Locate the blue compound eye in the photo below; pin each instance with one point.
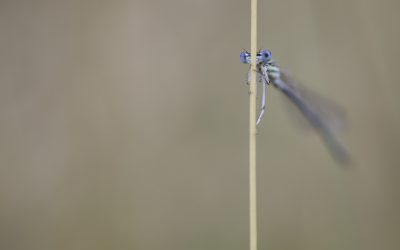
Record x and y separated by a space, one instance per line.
244 57
266 54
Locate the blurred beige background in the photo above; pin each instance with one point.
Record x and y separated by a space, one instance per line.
124 125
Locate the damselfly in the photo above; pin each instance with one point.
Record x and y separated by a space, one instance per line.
269 73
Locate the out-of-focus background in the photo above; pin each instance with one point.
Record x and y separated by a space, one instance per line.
124 125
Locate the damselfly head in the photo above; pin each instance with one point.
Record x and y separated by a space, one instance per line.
262 57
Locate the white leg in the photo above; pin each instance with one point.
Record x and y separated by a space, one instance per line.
263 99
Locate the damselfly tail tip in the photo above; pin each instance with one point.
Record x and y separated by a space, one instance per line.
339 152
344 159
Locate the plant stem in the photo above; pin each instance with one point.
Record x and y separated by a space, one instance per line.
253 129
